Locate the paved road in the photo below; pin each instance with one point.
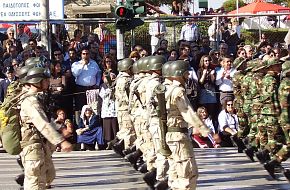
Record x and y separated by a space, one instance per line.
102 170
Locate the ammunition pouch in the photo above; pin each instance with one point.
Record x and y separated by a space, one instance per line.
177 129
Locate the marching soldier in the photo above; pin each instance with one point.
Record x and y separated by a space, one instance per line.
284 96
37 133
182 172
239 64
255 117
126 133
155 67
270 112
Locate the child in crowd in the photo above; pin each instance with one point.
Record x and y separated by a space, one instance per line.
213 138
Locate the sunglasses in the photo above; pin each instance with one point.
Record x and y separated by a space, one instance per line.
56 54
85 53
229 104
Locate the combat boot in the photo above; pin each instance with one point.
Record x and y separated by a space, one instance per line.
250 153
111 143
133 157
287 174
20 179
150 178
19 161
161 185
238 142
143 168
270 167
263 156
139 163
119 147
129 150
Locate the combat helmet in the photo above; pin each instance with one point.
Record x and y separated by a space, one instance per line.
32 61
135 67
251 64
260 65
144 64
272 61
22 72
125 64
238 62
156 62
285 68
36 74
179 68
166 69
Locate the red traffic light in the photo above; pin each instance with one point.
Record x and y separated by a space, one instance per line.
121 11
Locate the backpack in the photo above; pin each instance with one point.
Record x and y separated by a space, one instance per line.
10 129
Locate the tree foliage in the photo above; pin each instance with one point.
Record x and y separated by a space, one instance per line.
230 5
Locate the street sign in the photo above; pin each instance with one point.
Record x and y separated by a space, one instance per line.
29 10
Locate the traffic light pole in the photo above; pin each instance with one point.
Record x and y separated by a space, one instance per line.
120 44
120 39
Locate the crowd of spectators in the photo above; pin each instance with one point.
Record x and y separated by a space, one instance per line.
78 68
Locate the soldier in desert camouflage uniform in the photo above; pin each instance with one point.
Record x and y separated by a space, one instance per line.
183 170
284 96
37 133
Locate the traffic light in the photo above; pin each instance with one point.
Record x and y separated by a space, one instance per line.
128 24
137 6
121 11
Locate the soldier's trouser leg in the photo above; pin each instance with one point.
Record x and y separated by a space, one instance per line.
253 134
50 172
34 167
243 125
126 131
161 161
284 153
262 130
148 143
183 162
272 131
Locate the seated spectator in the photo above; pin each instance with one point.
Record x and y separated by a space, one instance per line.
67 128
213 138
89 131
108 112
228 123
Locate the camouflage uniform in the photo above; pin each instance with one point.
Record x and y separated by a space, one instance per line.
247 103
239 100
270 111
36 154
284 96
134 107
126 130
145 133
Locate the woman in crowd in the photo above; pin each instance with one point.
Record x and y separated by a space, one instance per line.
134 55
108 112
206 79
109 64
173 55
89 131
241 53
214 55
213 138
57 84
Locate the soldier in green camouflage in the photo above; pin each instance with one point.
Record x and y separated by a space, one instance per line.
255 117
284 94
247 103
270 111
240 65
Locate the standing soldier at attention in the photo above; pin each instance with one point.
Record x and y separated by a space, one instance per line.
270 112
239 64
183 170
284 98
126 133
255 117
37 133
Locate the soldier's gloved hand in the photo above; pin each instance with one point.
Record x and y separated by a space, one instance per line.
66 146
